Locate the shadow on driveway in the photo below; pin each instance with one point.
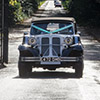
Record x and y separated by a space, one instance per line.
48 75
2 66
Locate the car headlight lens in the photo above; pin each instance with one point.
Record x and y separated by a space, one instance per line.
68 40
31 41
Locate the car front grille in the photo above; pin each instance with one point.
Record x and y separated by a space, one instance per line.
56 46
45 46
50 46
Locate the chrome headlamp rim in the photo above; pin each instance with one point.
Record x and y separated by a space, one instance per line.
31 41
68 40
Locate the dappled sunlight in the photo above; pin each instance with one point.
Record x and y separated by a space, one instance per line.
91 46
91 50
51 83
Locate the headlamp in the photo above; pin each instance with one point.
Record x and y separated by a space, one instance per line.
68 40
31 41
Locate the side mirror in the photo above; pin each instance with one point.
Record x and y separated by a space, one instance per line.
25 33
79 33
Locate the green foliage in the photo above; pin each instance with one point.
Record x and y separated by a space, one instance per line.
66 4
84 10
18 14
21 9
41 2
15 12
29 6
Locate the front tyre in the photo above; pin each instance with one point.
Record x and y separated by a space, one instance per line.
79 69
24 69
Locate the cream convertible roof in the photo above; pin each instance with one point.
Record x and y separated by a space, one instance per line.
54 19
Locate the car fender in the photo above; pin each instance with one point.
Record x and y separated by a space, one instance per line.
74 50
24 49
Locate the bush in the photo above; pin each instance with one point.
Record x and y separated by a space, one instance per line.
15 12
18 14
29 6
21 9
84 10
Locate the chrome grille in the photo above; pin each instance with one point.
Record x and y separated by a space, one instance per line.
50 46
45 46
56 46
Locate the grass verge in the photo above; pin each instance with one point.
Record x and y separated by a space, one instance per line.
41 2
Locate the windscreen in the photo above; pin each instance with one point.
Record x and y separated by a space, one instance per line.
54 28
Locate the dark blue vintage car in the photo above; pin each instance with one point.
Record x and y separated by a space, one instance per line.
52 43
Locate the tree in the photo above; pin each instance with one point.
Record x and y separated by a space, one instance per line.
86 10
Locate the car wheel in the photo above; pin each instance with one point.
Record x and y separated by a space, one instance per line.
79 69
24 69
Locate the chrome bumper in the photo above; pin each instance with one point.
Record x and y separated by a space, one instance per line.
48 59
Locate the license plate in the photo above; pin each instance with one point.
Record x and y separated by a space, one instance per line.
50 59
50 63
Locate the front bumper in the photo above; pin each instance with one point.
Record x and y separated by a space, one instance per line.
57 5
50 59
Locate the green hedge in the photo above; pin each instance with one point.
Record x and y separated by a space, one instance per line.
85 11
22 9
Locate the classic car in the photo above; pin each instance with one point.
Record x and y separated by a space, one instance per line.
57 4
52 43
